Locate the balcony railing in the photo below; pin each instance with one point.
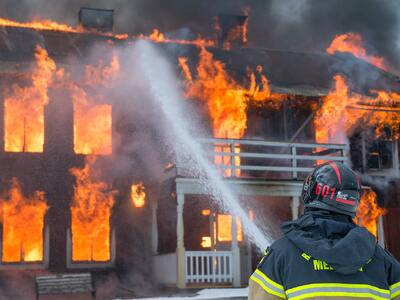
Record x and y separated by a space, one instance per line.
264 159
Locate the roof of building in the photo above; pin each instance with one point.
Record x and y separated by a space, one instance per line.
308 74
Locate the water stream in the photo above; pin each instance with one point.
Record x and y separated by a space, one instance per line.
160 77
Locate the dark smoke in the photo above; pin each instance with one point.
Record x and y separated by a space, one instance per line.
301 25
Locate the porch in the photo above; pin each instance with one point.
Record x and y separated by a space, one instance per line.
250 168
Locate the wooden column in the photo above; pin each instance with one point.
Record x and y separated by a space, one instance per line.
295 204
154 226
381 234
180 247
395 153
235 255
363 152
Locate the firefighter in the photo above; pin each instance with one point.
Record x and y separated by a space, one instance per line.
324 254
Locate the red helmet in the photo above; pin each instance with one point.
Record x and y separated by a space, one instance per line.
332 186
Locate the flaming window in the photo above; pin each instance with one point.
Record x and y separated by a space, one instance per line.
138 195
92 121
224 228
24 108
92 129
91 211
23 226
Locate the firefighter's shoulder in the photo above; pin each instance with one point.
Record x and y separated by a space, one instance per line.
388 259
277 251
270 272
282 248
392 270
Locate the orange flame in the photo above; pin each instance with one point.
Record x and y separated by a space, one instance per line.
331 121
206 242
138 195
90 215
337 118
40 25
93 122
368 212
226 99
353 43
121 36
24 108
92 127
23 223
54 26
225 228
159 37
185 68
238 33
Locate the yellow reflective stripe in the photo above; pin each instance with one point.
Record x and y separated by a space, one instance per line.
270 281
337 294
395 285
265 288
395 290
336 285
395 294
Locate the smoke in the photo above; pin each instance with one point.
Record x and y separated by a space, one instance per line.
284 10
386 188
302 25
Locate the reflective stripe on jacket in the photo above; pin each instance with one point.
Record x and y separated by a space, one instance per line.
285 272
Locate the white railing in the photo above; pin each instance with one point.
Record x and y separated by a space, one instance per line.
263 159
209 267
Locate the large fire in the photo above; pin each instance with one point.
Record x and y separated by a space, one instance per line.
226 100
90 215
24 108
93 122
92 127
23 225
338 116
368 212
353 43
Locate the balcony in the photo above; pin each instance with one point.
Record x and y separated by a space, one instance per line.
257 167
249 168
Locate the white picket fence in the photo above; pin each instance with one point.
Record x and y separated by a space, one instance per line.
209 267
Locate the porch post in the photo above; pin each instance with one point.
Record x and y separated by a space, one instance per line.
381 233
295 204
235 255
395 153
180 247
154 227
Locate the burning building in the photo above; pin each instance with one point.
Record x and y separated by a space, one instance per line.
79 190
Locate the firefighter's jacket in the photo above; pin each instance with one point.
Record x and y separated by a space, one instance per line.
323 256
